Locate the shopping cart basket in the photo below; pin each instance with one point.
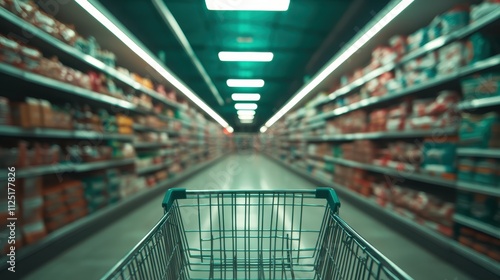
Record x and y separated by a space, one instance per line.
254 234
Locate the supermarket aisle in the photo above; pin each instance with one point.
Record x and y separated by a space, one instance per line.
93 257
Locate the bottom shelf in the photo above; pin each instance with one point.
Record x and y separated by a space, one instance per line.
32 256
488 267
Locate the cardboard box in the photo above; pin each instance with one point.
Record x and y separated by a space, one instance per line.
46 114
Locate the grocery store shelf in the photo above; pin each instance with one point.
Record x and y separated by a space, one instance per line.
15 131
60 168
307 127
144 128
464 71
415 176
429 47
477 188
149 145
153 168
477 152
477 225
479 103
76 54
67 88
34 255
386 135
484 267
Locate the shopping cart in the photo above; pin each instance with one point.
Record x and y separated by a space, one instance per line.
254 234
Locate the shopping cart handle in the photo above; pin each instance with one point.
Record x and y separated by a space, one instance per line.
171 195
331 196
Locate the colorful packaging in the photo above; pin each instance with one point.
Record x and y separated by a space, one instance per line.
485 172
482 207
466 167
455 19
481 85
480 131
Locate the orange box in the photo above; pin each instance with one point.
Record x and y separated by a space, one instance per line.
20 114
47 115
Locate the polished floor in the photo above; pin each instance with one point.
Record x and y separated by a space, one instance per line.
93 257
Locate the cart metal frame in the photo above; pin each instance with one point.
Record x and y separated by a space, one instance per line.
253 234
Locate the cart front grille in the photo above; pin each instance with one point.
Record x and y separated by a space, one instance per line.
253 235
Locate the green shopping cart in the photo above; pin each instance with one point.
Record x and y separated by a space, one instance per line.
253 234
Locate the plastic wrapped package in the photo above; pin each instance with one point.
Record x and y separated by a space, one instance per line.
9 51
398 44
417 39
480 131
455 19
452 57
23 9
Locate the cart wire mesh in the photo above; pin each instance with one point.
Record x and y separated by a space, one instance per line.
257 234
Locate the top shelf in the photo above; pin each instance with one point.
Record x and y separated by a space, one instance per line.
49 40
435 44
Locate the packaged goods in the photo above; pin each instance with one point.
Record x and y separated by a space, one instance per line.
417 39
463 203
466 168
439 157
481 85
482 207
485 172
479 47
452 57
4 111
9 51
480 131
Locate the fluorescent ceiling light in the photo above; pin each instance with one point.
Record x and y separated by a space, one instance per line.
248 5
149 59
245 106
245 83
333 65
243 117
246 113
246 121
246 56
245 96
229 129
263 129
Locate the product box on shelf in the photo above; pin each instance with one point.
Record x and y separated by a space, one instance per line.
439 157
481 85
480 242
480 131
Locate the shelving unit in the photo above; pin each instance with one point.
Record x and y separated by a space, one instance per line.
439 81
317 130
435 44
433 238
133 102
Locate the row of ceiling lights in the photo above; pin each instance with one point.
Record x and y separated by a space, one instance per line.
246 106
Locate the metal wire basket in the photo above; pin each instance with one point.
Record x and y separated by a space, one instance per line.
254 234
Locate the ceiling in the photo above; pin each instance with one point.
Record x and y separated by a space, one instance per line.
302 40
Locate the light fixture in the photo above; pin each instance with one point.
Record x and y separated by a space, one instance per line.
247 5
246 113
246 56
248 117
245 106
142 52
229 129
245 96
263 129
246 121
391 13
245 83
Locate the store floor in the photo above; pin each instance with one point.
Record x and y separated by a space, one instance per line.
94 256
